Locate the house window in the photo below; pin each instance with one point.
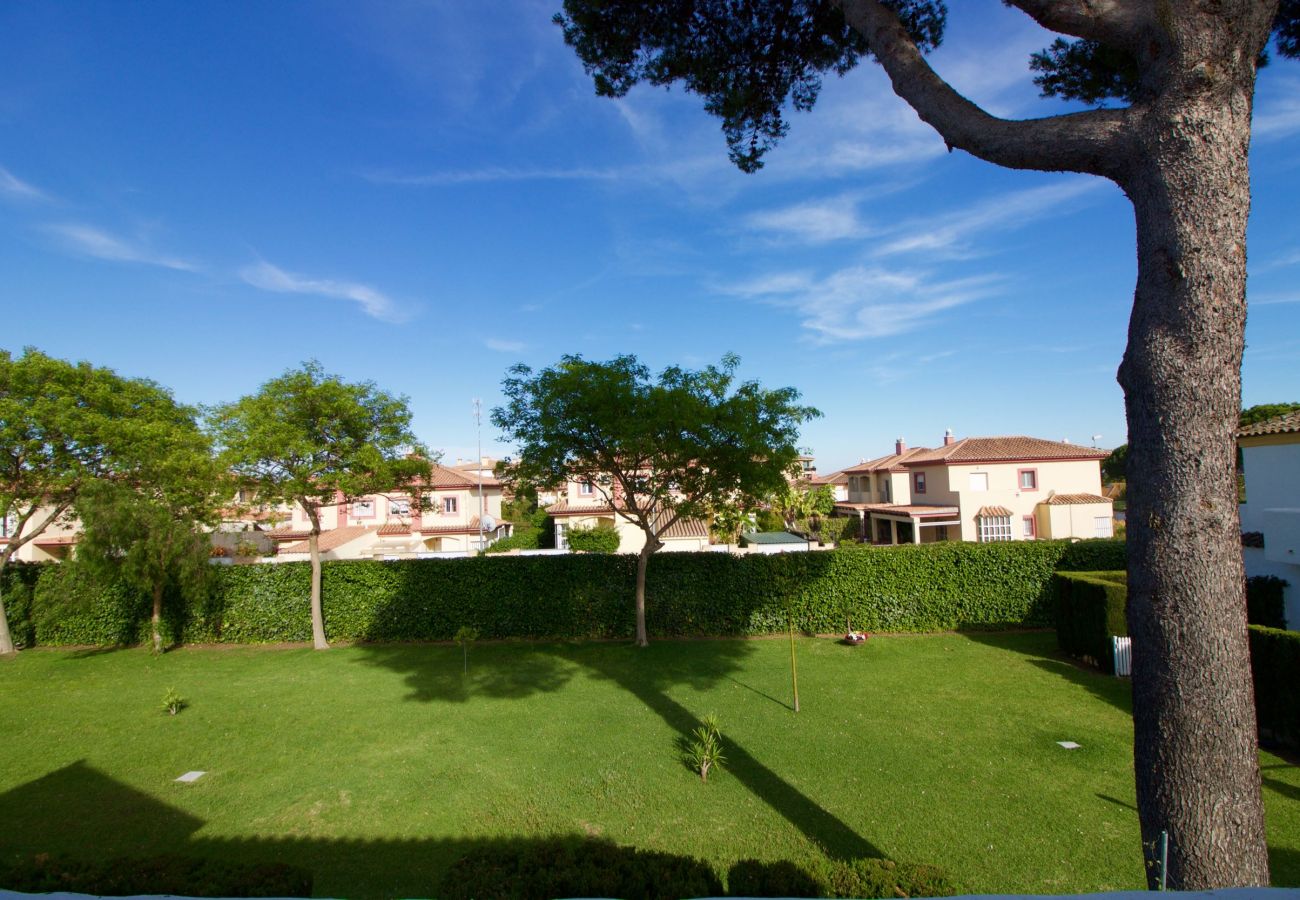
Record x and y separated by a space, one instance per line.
941 532
586 489
918 482
363 509
884 488
1103 526
979 481
993 528
853 484
1030 528
400 507
450 505
1028 479
561 537
8 525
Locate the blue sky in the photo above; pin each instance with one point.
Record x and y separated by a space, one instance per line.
422 194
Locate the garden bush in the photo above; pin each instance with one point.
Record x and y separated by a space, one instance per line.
1265 601
574 867
838 878
176 875
597 539
1089 610
914 589
1275 667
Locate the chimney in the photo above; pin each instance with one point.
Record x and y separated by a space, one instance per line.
948 438
899 446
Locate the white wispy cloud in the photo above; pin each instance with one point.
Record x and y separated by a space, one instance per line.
1278 115
951 233
504 346
815 222
863 302
87 240
373 303
14 187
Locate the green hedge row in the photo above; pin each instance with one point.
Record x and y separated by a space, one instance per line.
1275 666
159 875
1089 610
1266 601
915 588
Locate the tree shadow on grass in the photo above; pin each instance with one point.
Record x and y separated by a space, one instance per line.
648 674
83 815
1115 691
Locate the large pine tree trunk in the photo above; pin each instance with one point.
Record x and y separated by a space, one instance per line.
1195 741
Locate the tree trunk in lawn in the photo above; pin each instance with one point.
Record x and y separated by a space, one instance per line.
652 544
317 614
1195 741
156 618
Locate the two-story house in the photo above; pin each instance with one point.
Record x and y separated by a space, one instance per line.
449 512
585 504
1270 517
980 489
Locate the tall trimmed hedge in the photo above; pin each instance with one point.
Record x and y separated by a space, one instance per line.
1089 610
1275 666
916 588
1266 601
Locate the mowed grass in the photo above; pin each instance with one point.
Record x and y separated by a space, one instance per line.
377 766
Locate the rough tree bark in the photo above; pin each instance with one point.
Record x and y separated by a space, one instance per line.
1181 156
1195 739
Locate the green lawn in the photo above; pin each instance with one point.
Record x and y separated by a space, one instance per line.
376 766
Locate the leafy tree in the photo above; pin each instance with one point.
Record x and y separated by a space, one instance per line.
152 533
64 427
596 539
658 450
1262 412
1115 466
1182 73
313 439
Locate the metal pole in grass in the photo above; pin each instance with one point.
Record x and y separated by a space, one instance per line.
794 669
1164 857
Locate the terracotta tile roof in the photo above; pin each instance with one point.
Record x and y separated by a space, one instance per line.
1003 449
394 526
840 477
470 527
444 478
331 540
1287 423
686 529
1075 499
565 508
287 534
57 541
889 463
987 512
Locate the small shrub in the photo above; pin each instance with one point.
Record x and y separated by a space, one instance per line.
704 748
572 867
597 539
768 520
172 702
466 635
175 875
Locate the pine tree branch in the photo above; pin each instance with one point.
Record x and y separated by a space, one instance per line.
1119 23
1089 142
